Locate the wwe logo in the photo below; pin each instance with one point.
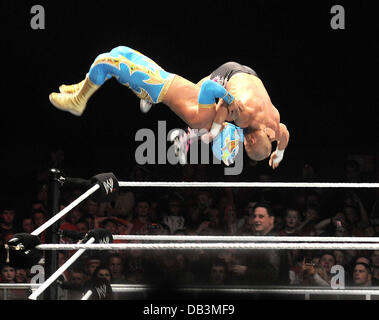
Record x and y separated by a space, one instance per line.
104 240
101 291
108 185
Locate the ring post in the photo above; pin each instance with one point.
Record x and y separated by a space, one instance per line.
51 258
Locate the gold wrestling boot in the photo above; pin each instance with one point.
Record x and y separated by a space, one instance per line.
75 102
71 88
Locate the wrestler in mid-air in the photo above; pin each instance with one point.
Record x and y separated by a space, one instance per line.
249 106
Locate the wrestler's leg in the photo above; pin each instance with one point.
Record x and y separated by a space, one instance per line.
131 68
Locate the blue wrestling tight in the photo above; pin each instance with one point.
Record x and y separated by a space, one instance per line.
210 90
134 70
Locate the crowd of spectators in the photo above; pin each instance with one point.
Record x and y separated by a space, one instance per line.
212 211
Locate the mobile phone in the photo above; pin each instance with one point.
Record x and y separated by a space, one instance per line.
308 260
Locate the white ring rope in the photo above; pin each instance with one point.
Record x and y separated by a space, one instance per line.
65 210
87 295
213 246
249 184
247 238
288 290
19 285
61 269
123 288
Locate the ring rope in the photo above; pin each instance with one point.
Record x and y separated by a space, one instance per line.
288 290
123 288
61 269
87 295
65 210
249 184
213 246
247 238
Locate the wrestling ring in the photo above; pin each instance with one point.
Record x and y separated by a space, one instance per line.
163 242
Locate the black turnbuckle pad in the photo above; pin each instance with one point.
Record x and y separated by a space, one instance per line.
21 251
100 235
109 187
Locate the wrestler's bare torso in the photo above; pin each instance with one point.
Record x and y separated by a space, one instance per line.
258 111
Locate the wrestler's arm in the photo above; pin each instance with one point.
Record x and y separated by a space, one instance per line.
283 139
218 122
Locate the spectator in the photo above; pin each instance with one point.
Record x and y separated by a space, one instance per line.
199 211
124 205
231 222
197 263
38 206
92 262
375 267
42 195
116 266
249 209
174 218
278 223
311 216
7 224
99 283
82 225
38 218
71 219
351 214
238 268
291 228
185 275
363 259
328 226
22 275
78 279
114 224
352 171
369 231
217 273
105 209
91 208
8 273
75 286
90 221
124 226
211 224
247 229
110 225
103 272
28 225
142 217
263 219
134 267
318 275
340 258
269 267
292 220
362 276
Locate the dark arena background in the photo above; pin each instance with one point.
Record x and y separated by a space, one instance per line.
323 82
